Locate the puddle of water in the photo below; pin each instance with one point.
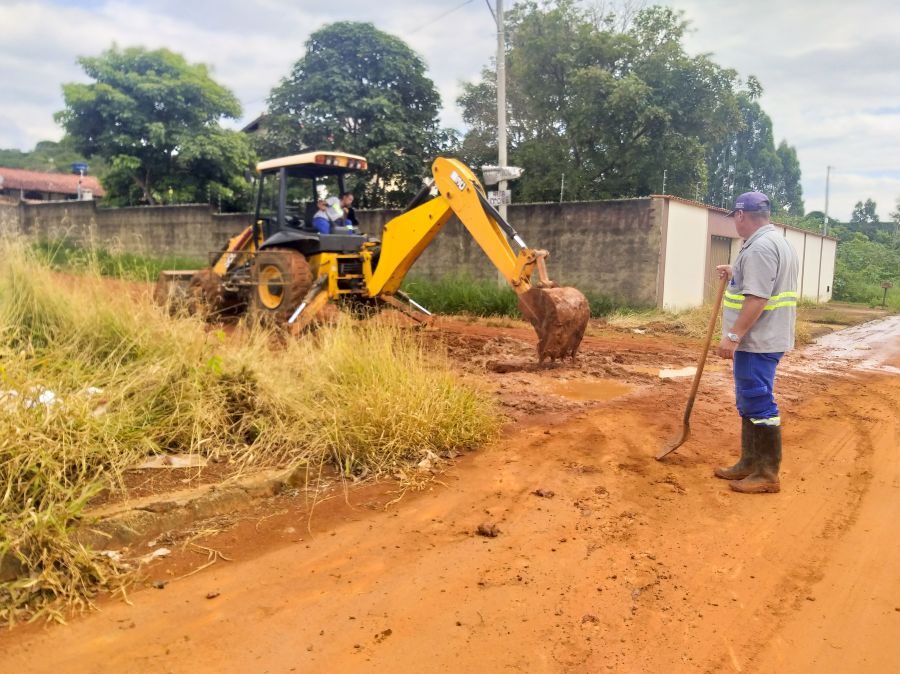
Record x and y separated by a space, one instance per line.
643 369
595 389
672 373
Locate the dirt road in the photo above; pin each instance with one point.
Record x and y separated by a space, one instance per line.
606 560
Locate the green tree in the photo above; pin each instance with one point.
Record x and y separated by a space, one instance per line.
747 159
864 213
895 227
156 119
861 266
360 90
610 104
789 192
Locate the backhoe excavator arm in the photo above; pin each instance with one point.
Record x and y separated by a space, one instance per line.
559 315
407 236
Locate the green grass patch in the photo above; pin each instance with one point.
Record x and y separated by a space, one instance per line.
64 255
462 295
94 379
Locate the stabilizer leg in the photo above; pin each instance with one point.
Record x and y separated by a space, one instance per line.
312 304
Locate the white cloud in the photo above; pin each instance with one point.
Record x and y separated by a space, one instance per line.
824 68
250 45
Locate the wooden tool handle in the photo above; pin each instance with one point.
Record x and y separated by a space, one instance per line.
709 332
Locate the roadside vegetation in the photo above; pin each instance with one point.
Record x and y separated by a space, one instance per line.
96 379
451 295
462 295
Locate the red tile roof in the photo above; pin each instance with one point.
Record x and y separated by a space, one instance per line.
59 183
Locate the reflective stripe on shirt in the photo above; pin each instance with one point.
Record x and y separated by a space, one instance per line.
785 299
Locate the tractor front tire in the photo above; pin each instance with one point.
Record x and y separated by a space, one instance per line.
282 278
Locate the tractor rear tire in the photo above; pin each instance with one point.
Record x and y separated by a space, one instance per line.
282 278
206 296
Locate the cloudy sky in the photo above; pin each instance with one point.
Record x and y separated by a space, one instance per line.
831 70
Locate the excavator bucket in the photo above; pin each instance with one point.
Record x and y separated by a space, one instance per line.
172 289
559 316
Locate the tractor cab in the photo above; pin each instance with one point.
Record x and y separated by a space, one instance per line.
289 189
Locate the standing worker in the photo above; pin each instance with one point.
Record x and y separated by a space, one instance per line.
758 328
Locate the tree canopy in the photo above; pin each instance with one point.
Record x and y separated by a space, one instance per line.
746 159
156 119
614 104
360 90
864 213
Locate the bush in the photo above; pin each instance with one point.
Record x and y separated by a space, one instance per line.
95 378
860 268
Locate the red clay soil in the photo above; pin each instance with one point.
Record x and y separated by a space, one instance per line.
604 560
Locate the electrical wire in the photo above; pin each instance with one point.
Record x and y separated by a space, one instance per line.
438 18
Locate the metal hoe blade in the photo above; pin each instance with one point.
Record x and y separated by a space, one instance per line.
675 443
686 425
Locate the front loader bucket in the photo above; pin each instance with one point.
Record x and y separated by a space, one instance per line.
172 289
559 316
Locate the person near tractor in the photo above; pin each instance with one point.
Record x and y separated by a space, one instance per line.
349 212
336 212
329 215
760 311
322 220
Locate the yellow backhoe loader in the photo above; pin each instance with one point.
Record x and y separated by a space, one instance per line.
283 268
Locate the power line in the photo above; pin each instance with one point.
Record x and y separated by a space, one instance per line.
491 10
441 16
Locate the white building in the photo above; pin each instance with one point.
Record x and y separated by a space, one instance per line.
695 238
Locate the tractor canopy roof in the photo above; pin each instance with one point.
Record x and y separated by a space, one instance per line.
315 163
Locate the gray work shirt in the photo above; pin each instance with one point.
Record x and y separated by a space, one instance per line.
767 266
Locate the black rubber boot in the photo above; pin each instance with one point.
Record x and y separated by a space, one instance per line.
744 467
764 479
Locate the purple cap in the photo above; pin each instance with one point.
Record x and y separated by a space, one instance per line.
751 201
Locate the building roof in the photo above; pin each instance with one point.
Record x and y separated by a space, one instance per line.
724 211
36 181
254 124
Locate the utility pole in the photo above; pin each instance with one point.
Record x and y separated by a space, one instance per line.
501 110
501 99
827 181
664 181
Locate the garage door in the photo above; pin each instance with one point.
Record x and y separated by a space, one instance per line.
719 253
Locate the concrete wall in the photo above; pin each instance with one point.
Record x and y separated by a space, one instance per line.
609 247
687 239
809 272
9 219
817 256
187 231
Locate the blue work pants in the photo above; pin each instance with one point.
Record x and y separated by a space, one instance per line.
754 386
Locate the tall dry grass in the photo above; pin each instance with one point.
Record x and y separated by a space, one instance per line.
94 378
